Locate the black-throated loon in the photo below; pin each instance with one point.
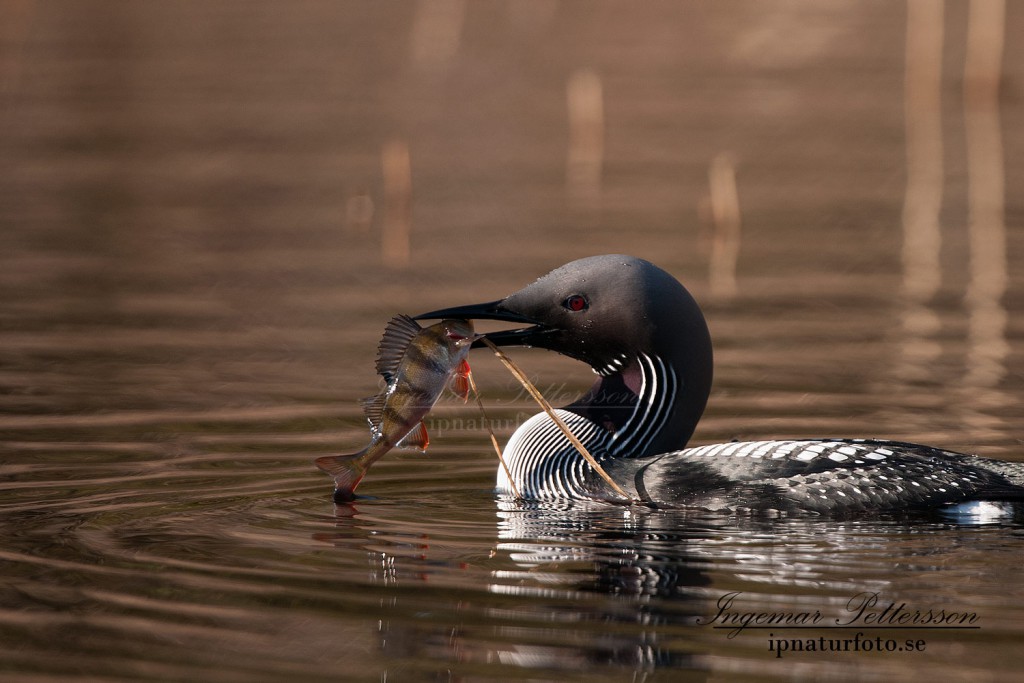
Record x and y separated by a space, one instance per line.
645 336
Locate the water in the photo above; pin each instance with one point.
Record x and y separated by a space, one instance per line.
191 293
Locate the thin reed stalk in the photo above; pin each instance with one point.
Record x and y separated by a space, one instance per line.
542 402
494 440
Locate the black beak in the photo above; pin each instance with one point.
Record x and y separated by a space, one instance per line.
494 310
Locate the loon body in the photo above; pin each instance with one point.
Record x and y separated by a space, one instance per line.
646 338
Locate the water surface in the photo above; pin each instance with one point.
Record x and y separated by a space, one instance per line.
192 290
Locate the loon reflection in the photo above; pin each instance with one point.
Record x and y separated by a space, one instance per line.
561 586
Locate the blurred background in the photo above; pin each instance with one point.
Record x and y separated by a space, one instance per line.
209 211
254 181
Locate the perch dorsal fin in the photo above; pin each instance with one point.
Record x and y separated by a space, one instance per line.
399 332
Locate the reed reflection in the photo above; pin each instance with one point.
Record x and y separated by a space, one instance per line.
436 34
987 347
397 223
922 239
721 212
585 155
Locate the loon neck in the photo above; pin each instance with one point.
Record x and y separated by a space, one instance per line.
650 406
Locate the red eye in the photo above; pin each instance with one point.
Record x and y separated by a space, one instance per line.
455 336
576 302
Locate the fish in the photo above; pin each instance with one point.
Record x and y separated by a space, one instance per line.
417 364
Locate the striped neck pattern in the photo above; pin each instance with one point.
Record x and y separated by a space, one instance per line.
546 466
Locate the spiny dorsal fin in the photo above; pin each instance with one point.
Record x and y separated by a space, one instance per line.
373 408
399 332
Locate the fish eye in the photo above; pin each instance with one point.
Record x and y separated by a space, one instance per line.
576 303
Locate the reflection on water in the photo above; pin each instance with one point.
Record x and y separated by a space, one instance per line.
987 348
723 207
922 237
396 224
986 345
584 164
435 34
635 592
211 209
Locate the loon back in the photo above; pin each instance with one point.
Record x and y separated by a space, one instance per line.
647 340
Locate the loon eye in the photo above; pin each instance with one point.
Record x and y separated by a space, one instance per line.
576 303
455 336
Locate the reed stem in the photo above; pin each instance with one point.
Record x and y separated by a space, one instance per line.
542 402
494 440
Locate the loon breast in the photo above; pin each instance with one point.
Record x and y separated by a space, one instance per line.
545 465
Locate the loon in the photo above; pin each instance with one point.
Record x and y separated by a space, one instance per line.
646 338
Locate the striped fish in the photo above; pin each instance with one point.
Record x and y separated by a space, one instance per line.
417 364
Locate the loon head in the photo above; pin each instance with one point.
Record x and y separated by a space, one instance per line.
634 324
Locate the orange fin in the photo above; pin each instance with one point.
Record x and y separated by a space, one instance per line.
459 383
417 438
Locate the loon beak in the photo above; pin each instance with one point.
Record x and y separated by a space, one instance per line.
495 310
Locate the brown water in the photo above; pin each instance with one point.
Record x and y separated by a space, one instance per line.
192 289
